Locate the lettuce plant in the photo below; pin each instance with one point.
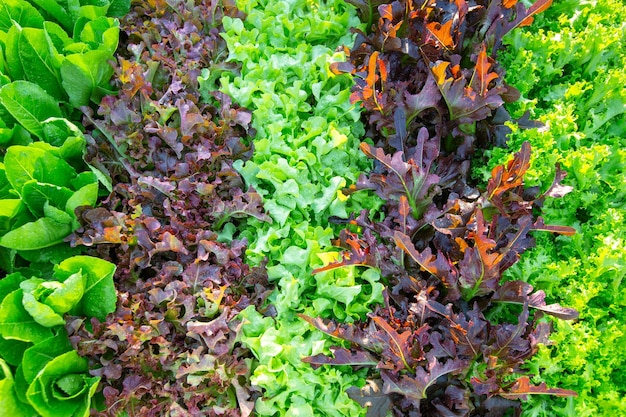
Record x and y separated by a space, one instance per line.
42 373
170 223
567 71
305 159
444 342
63 47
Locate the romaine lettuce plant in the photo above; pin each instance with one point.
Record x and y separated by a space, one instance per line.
63 47
43 375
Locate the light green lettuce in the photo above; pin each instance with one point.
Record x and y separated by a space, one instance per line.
570 70
306 154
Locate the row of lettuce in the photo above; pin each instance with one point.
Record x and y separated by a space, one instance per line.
175 340
53 60
570 71
305 154
431 114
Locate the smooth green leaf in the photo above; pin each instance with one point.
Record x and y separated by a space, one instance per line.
58 215
35 194
86 196
20 12
100 297
29 105
90 12
40 65
12 350
51 254
60 297
10 283
102 34
83 179
68 294
16 323
39 234
119 8
42 313
54 9
85 77
48 391
9 208
10 405
37 356
57 130
58 37
26 163
11 51
72 150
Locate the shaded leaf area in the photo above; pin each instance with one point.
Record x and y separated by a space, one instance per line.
435 342
169 223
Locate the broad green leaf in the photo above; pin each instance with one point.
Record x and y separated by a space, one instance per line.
83 179
100 296
40 65
12 350
72 150
6 134
39 234
102 34
42 313
10 207
57 129
29 105
35 194
10 405
58 215
93 11
10 283
58 38
66 294
85 77
11 51
86 196
119 8
5 186
16 323
37 356
54 9
50 255
63 388
21 12
26 163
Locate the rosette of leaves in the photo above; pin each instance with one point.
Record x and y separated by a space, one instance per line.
433 64
63 387
63 47
41 185
445 341
170 223
43 375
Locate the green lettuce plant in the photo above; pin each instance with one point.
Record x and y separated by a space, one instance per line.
305 158
570 71
41 370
